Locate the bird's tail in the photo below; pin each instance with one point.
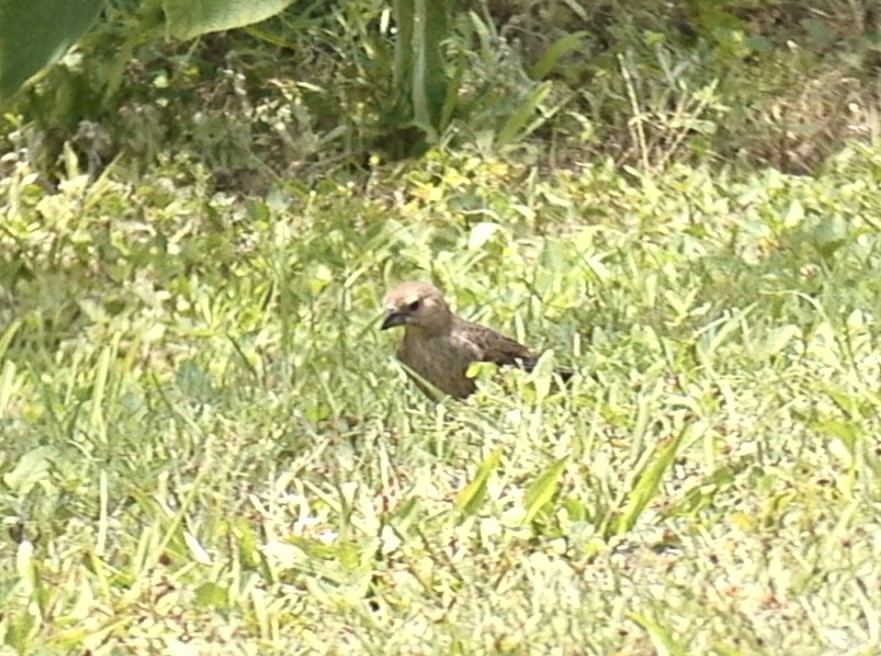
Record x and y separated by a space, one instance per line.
528 364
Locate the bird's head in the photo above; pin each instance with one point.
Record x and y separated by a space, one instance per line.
416 304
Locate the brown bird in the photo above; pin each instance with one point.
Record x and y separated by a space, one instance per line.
439 347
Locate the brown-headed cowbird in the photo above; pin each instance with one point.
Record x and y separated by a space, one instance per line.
439 347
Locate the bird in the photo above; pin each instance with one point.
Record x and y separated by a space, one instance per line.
438 346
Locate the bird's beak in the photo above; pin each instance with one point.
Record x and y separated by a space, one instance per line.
392 319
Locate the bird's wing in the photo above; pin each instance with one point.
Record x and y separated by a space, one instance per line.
495 347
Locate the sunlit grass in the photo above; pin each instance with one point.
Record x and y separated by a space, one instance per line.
207 447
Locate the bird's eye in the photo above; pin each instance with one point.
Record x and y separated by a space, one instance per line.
413 306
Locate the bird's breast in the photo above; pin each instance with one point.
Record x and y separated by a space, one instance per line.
441 360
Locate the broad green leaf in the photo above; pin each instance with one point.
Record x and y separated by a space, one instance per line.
212 595
543 489
485 38
19 627
429 89
451 100
470 499
482 233
7 385
7 336
778 339
830 235
187 19
552 55
34 34
515 126
32 468
543 375
648 481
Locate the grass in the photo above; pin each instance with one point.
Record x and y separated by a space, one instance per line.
207 447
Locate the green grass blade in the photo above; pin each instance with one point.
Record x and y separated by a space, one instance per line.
662 638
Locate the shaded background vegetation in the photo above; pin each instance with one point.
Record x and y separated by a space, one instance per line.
779 83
